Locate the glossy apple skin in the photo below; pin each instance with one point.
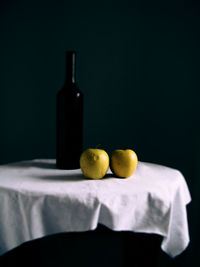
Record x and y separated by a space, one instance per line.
94 163
123 162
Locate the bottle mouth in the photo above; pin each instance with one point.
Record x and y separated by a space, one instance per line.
70 52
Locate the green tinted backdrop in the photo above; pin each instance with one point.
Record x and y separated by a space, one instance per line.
137 66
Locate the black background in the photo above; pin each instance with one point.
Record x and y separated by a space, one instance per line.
137 66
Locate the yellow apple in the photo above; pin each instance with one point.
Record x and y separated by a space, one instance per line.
94 163
123 162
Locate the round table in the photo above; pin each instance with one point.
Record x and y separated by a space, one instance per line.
38 200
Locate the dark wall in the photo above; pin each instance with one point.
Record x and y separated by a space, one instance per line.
138 67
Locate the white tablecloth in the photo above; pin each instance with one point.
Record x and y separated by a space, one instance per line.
36 200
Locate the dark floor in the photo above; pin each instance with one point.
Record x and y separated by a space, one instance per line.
99 248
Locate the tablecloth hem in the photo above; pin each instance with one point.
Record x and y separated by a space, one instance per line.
174 255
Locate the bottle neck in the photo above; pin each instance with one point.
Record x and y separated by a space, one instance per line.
70 67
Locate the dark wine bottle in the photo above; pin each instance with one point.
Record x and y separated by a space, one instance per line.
69 119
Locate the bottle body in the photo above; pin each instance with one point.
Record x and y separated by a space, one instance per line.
69 126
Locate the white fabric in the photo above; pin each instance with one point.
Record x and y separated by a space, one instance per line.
36 200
